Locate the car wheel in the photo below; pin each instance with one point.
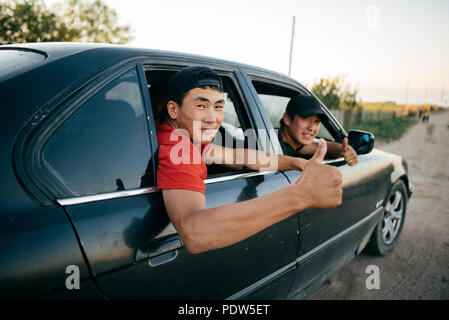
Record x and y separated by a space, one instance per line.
386 234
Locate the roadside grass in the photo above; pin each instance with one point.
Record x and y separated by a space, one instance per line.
386 130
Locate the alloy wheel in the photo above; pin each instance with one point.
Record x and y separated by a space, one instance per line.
393 217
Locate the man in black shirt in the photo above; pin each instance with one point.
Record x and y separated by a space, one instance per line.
299 127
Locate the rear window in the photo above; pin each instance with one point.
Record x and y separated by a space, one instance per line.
13 59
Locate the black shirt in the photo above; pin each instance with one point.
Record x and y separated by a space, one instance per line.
288 149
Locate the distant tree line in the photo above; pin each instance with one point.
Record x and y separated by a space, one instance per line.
335 93
71 20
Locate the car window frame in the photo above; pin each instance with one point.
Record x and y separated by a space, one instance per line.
32 164
232 72
222 70
332 125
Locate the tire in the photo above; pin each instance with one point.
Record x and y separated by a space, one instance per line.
386 234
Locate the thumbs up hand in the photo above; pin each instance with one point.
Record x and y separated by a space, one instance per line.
348 153
319 183
345 145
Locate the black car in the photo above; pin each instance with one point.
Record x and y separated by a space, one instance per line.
80 216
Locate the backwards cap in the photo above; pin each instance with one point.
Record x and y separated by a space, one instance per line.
304 106
190 78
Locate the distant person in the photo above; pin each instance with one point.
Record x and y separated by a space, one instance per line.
299 127
426 114
419 114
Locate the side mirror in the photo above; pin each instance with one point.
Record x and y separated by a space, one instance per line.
361 141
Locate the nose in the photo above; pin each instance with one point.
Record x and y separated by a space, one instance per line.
311 125
210 116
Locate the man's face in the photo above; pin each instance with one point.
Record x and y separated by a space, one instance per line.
201 114
303 130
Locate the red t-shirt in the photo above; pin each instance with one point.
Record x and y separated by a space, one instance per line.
181 165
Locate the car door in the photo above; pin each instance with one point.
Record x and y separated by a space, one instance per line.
327 237
103 155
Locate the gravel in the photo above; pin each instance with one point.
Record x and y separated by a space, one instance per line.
418 269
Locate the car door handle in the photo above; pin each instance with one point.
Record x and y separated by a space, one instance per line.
164 247
161 252
164 252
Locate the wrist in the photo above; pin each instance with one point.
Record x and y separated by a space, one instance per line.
298 163
302 164
298 200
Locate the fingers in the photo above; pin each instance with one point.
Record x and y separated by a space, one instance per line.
345 145
351 162
351 158
349 153
320 152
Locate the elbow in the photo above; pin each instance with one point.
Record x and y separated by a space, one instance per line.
192 241
192 245
192 248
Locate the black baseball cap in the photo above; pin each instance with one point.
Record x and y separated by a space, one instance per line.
190 78
304 106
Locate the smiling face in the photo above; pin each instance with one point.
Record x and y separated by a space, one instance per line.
201 114
301 131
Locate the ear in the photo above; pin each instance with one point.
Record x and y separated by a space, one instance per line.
286 118
172 109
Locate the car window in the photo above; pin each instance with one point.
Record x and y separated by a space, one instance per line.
104 145
274 99
234 129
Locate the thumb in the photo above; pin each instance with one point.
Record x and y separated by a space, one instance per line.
320 152
345 145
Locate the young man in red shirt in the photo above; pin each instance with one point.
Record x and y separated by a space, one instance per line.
186 127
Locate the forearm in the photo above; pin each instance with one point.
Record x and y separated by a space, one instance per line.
203 229
263 161
215 228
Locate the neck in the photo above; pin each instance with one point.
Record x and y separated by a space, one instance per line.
171 123
295 145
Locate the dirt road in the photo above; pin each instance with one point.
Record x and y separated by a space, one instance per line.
419 266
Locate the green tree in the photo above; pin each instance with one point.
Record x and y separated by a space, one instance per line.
336 93
72 20
350 99
328 91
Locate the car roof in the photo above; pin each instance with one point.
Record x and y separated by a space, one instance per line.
29 89
60 50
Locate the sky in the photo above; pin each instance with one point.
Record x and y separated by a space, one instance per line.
390 50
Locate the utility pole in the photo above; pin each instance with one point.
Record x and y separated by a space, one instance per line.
291 48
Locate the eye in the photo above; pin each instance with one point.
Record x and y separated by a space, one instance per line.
220 107
201 106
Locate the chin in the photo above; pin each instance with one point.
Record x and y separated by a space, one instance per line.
207 137
206 140
306 141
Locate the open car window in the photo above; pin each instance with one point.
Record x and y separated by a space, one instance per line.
274 98
233 132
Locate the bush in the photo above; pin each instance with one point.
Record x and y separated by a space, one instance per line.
386 130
